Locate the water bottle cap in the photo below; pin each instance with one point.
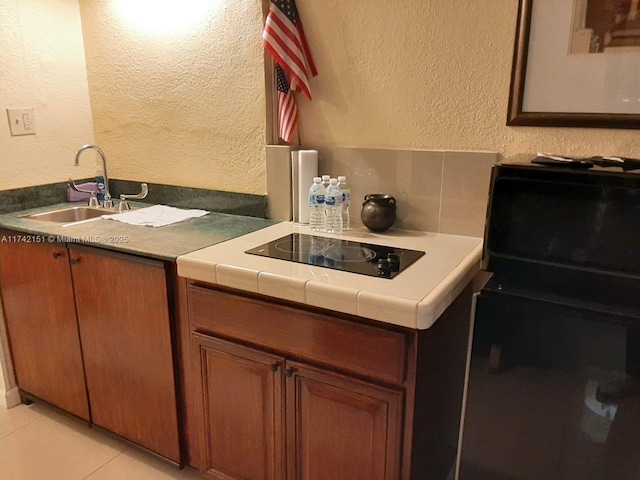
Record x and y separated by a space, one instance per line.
317 179
333 181
325 177
342 179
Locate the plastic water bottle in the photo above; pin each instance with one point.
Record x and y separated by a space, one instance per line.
333 208
316 205
346 200
325 181
100 182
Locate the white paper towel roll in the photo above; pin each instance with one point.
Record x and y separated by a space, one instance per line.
295 195
304 166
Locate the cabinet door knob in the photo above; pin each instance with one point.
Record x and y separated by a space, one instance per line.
290 371
75 261
57 255
275 366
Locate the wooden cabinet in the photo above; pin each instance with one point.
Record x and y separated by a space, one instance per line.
274 389
75 313
286 393
333 426
40 316
340 427
125 329
241 391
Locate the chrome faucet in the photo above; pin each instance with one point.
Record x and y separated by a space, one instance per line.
108 203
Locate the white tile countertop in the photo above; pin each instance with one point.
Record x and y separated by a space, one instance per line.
414 299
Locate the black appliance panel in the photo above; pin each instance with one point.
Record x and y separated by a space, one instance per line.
582 225
339 254
551 394
553 389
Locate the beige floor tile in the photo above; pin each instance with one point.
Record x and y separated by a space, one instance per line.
15 418
54 447
137 465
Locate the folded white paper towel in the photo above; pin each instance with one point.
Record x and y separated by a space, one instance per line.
304 166
156 216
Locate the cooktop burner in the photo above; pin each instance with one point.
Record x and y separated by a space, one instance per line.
339 254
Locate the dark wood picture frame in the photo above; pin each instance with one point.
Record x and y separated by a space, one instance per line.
517 117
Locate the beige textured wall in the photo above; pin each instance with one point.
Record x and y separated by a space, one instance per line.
185 109
189 109
426 74
42 66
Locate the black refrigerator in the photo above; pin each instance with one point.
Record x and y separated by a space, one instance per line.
553 374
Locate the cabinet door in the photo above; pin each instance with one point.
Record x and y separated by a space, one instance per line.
340 428
41 321
123 314
241 390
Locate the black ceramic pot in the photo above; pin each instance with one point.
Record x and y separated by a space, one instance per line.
378 212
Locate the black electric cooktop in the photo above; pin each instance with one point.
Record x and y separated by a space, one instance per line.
338 254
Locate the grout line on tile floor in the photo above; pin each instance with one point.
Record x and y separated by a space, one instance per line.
6 435
88 477
30 421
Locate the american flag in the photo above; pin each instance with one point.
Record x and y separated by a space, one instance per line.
287 108
284 39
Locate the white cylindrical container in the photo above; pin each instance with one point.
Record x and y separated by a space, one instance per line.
304 167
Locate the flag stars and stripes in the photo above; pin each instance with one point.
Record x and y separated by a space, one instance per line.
283 37
283 85
289 8
287 108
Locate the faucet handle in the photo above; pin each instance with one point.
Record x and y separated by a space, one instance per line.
124 204
107 202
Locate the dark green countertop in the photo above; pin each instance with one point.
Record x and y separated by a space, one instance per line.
162 243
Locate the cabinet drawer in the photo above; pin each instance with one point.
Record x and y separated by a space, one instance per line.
296 333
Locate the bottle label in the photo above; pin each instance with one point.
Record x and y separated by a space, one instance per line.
330 201
100 184
346 196
316 199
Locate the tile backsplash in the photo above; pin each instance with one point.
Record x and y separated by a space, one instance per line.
436 190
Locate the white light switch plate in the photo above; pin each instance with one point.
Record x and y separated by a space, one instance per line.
21 121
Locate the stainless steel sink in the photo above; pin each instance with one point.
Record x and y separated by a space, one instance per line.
71 215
